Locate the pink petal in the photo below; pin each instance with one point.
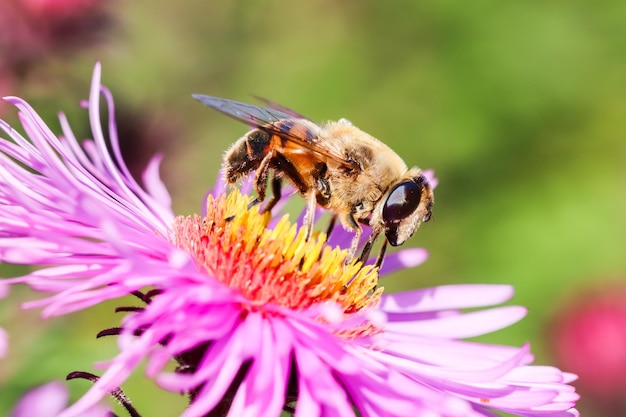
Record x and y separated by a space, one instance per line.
460 326
446 297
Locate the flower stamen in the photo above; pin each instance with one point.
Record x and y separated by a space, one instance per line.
273 265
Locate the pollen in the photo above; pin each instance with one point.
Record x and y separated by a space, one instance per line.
276 264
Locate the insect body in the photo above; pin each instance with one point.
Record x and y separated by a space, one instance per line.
334 165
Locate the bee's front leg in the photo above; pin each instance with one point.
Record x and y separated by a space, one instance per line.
260 181
381 254
351 224
310 214
331 225
367 248
276 194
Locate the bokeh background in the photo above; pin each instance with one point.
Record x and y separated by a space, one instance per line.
520 107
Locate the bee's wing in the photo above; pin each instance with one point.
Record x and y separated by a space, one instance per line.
266 118
275 106
247 113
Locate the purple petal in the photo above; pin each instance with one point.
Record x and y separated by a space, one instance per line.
458 326
446 297
430 176
155 186
45 401
403 259
49 400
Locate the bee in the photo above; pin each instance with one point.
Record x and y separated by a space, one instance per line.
334 165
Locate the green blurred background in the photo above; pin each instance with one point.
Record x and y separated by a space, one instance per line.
519 108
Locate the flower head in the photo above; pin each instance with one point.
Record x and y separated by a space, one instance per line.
258 318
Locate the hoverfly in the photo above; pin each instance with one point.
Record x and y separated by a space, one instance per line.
334 165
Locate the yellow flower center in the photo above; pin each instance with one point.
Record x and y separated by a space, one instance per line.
277 265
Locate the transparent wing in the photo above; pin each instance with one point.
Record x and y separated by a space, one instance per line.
275 106
268 120
247 113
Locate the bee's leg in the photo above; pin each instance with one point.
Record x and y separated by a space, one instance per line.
365 221
253 203
331 225
354 245
276 194
349 223
365 253
310 213
381 254
260 181
379 259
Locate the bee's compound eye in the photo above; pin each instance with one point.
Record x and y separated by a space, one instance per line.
402 202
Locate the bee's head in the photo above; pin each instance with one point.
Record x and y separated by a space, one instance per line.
407 205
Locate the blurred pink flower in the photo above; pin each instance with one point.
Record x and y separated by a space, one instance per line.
257 317
589 337
59 8
31 30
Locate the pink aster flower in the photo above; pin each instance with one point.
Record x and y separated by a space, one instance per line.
258 318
